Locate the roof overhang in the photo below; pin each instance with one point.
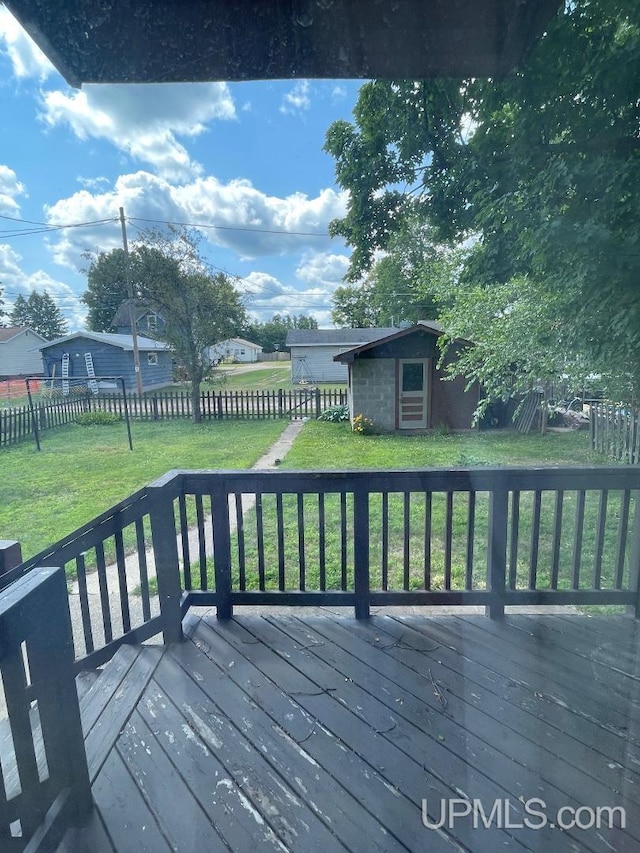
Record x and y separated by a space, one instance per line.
424 327
151 41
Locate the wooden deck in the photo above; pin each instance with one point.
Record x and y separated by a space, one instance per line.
308 733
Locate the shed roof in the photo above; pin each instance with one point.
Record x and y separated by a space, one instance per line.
335 337
243 342
144 41
421 327
123 342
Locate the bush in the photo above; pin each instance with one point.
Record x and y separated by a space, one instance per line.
363 426
335 414
98 419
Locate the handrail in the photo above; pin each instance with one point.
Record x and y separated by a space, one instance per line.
36 661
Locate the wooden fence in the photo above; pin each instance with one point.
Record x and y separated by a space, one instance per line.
17 423
615 432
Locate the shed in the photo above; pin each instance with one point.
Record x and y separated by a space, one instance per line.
396 382
234 349
314 351
19 352
110 355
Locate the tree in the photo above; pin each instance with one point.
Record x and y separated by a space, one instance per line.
402 285
542 169
272 334
40 313
200 308
106 288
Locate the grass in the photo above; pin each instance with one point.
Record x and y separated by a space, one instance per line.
336 447
82 471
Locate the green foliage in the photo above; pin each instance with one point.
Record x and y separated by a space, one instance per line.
272 334
335 414
40 313
200 308
98 419
541 170
107 287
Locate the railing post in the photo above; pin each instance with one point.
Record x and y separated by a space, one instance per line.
165 549
361 551
497 551
221 548
634 558
10 555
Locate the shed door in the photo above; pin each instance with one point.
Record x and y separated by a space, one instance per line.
413 393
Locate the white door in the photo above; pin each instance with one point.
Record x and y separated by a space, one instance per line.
413 393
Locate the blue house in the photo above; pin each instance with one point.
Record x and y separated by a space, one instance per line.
109 355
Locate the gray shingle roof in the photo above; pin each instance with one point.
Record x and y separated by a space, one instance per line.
335 337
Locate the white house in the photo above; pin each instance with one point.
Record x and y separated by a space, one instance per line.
236 350
19 351
313 350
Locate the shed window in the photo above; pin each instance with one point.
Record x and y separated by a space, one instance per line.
152 358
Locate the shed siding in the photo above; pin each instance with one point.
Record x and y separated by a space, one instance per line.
373 394
20 356
316 364
109 360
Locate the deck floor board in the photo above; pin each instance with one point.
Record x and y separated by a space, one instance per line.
322 733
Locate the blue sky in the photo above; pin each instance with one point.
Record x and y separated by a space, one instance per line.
246 157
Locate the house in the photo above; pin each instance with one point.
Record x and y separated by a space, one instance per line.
109 355
313 351
395 381
235 350
19 352
148 321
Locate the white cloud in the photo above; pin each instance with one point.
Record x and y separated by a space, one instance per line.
338 93
26 57
266 296
145 121
297 100
274 225
10 189
15 281
325 270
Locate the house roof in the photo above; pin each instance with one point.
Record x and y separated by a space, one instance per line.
124 342
335 337
122 317
145 41
421 327
8 333
243 342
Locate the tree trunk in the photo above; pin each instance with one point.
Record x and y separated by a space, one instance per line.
196 411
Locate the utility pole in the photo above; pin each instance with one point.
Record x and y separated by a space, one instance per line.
132 315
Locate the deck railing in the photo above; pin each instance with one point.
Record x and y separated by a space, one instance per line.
44 780
479 536
492 537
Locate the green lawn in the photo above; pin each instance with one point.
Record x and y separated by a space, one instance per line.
82 471
335 446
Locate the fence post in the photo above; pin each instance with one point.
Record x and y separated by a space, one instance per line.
165 549
361 551
318 403
280 403
634 558
497 551
221 548
10 555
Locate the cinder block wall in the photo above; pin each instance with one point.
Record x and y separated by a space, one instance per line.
373 391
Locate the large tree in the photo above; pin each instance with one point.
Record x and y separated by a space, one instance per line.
542 169
272 334
106 287
199 307
402 285
40 313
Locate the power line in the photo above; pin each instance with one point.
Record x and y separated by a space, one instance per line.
229 227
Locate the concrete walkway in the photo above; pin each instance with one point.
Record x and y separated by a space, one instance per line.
267 461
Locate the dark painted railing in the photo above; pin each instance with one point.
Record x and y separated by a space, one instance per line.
44 780
492 537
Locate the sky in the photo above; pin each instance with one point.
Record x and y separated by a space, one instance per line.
243 160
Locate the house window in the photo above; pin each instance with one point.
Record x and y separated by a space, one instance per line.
152 358
152 322
241 352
